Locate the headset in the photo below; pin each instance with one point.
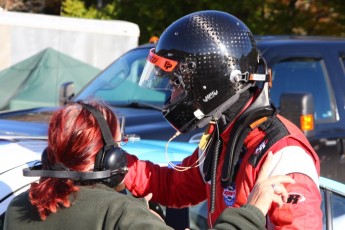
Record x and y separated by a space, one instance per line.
110 163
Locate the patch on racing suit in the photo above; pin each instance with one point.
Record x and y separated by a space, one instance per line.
295 198
229 195
261 147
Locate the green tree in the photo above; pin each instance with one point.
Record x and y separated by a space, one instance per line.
83 9
302 17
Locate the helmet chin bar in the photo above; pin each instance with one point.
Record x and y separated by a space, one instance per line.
237 76
172 112
217 113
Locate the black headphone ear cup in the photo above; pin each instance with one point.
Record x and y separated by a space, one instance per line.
115 160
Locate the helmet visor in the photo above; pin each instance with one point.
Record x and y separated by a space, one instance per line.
158 72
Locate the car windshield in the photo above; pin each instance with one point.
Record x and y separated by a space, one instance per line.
118 85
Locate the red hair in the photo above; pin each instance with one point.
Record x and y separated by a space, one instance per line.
74 139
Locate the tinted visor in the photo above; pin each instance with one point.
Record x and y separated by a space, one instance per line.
157 72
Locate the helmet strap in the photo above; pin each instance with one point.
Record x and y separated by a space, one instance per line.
233 111
262 99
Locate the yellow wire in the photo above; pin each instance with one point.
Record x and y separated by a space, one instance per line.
201 158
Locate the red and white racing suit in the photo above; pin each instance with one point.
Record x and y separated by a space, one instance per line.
293 155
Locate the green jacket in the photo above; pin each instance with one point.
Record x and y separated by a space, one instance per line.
247 217
100 207
94 207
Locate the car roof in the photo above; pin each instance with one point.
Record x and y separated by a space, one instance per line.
146 45
332 185
279 40
15 154
297 38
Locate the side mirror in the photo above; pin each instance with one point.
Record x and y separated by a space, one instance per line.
299 109
66 92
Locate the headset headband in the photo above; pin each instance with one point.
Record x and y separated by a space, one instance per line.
37 171
73 175
106 134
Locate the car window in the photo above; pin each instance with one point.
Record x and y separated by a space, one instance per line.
304 75
338 211
323 207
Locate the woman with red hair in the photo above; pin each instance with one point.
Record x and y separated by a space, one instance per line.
74 140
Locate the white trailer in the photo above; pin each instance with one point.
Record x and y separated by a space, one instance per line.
96 42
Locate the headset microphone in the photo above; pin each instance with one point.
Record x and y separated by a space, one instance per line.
110 163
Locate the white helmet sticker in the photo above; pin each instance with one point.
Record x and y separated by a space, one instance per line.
198 114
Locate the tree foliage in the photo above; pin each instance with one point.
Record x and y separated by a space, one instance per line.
305 17
81 9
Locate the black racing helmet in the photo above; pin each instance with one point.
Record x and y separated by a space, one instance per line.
207 59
